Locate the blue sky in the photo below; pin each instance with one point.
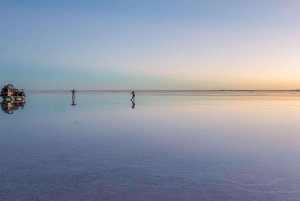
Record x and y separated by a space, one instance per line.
150 44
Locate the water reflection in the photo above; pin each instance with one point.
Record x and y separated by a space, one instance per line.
133 104
9 107
174 147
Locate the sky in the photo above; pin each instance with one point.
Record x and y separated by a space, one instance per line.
148 45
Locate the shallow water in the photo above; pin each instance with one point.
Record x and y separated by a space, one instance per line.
174 145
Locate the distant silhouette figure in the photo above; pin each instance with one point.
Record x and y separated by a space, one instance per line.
133 96
73 98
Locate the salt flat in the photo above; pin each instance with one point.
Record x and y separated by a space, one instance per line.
173 145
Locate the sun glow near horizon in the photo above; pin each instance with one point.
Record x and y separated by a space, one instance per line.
151 45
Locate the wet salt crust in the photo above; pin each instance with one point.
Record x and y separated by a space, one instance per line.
173 145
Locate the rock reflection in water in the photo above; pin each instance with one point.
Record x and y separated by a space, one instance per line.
9 107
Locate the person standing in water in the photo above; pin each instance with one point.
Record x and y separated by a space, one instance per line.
133 96
73 98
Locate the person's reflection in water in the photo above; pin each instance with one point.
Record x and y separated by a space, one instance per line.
133 104
133 100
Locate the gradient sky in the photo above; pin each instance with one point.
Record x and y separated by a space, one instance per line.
155 44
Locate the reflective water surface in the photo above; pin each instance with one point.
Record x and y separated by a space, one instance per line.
169 145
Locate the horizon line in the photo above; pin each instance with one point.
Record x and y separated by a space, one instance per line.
165 89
